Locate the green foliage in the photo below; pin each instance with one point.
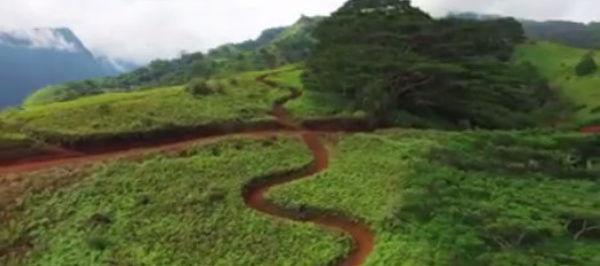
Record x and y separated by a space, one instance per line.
485 198
387 56
181 209
586 66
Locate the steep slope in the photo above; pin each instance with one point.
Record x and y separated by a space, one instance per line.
31 59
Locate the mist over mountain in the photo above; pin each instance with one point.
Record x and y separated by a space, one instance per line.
571 33
33 58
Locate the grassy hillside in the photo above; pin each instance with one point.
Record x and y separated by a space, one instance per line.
464 198
557 63
183 209
238 98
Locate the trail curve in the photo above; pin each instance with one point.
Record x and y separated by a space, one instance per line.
254 196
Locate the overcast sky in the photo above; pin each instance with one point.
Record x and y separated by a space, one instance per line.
142 30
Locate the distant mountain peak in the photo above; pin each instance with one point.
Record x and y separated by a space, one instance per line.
60 39
34 58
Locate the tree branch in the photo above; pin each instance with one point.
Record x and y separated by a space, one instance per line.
585 229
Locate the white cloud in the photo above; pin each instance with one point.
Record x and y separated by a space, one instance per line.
40 39
145 29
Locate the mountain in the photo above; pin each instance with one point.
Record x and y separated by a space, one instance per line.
570 33
117 66
575 34
272 48
33 58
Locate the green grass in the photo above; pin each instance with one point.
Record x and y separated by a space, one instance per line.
436 198
557 63
142 111
116 113
183 209
289 76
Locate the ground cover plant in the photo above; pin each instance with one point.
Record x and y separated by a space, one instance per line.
487 198
177 209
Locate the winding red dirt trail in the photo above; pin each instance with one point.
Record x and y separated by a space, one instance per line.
254 194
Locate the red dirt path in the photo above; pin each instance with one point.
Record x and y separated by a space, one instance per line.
255 198
255 195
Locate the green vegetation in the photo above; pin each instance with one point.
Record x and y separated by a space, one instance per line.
557 63
183 209
312 104
289 76
483 198
273 48
231 99
489 198
389 57
118 113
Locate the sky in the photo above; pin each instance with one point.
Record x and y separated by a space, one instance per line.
142 30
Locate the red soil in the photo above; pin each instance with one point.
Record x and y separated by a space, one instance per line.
254 195
591 129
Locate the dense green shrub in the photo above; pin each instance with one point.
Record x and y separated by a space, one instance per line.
199 88
586 66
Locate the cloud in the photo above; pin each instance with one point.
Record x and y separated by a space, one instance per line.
142 30
38 39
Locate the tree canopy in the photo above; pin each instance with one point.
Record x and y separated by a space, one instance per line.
389 57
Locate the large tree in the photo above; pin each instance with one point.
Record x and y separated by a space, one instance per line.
387 56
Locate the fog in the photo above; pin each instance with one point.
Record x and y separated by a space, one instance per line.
142 30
